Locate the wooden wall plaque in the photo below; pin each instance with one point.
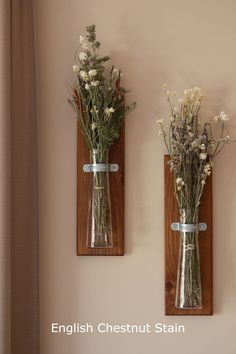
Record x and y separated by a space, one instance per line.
117 198
172 248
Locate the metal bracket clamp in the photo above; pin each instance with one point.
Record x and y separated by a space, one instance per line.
100 167
175 226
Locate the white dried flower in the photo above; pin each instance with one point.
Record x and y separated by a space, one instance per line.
94 109
195 144
203 147
207 169
190 135
109 111
115 72
87 86
92 72
94 83
85 46
76 68
179 180
83 42
225 116
160 122
203 156
82 39
93 126
84 75
83 56
203 182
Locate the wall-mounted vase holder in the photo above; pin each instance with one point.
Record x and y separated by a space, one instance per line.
100 200
180 239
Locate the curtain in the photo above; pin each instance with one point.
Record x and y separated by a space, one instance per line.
4 177
19 275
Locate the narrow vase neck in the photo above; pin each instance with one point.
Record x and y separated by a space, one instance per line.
99 156
189 216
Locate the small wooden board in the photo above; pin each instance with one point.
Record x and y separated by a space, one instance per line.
172 248
117 198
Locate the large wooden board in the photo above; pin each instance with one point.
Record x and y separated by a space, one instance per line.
117 199
172 248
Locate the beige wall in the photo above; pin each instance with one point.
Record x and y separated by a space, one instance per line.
183 43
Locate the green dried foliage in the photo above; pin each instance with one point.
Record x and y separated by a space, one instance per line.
98 98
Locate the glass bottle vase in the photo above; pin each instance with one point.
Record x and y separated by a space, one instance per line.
99 230
188 289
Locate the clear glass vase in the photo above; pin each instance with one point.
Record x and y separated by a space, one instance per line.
99 230
188 289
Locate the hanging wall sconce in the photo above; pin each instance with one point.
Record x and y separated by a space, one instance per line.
192 147
99 101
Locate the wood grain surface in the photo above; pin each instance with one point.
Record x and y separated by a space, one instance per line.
117 198
172 248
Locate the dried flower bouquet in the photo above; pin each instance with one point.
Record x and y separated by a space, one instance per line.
192 147
99 101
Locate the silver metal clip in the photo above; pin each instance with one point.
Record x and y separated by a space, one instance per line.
175 226
100 167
